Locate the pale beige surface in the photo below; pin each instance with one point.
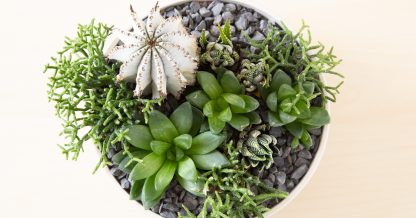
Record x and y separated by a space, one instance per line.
369 169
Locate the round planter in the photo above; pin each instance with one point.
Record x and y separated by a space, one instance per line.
325 129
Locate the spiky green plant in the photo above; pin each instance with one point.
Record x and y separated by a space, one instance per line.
168 147
254 74
223 101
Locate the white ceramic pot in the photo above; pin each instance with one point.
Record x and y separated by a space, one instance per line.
319 154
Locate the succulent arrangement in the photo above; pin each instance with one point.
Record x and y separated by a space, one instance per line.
209 113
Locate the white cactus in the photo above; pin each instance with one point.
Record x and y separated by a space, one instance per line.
159 55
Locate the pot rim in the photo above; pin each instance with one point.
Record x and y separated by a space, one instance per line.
325 129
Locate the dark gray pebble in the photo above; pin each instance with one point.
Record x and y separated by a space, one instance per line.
275 131
214 30
195 33
194 6
205 12
301 161
230 7
281 141
228 16
241 23
305 154
217 9
196 17
279 161
217 20
286 152
281 178
168 214
116 172
209 21
191 203
201 26
317 131
299 172
125 184
258 36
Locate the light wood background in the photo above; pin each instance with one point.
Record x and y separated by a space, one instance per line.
369 168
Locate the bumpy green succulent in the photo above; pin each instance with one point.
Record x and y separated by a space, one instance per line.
253 75
169 147
290 106
255 145
223 101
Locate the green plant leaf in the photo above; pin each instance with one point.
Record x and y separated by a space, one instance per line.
205 143
165 175
280 78
216 125
209 108
149 193
306 140
136 189
198 98
179 153
234 99
286 118
139 136
209 84
303 109
117 158
187 169
159 147
197 120
285 91
127 164
295 128
182 118
253 117
273 119
183 141
194 187
210 160
251 104
309 87
225 33
148 167
319 117
161 127
239 122
203 41
294 143
271 101
225 115
230 83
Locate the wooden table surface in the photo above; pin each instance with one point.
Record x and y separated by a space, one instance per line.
368 170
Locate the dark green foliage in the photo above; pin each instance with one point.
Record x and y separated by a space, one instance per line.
253 75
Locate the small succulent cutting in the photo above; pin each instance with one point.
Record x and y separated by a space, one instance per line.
174 147
159 55
223 101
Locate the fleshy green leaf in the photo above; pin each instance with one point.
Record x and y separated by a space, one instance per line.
230 83
285 91
319 117
136 189
274 120
187 169
139 136
251 105
117 158
182 118
198 98
295 129
309 87
280 78
209 84
183 141
205 143
303 109
161 127
234 99
225 33
271 101
149 193
294 143
216 125
159 147
286 118
239 122
149 166
209 108
203 41
253 117
225 115
194 187
197 120
306 140
165 175
210 160
179 153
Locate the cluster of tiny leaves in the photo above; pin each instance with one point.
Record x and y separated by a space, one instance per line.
297 55
87 99
229 194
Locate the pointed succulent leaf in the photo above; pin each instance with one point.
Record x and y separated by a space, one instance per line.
306 140
197 119
161 127
280 78
253 117
304 111
148 167
216 125
179 153
251 104
183 141
118 157
203 41
205 143
225 115
225 33
286 118
127 164
165 175
209 84
319 117
182 118
149 193
187 169
198 99
234 99
139 136
159 147
294 143
239 122
271 101
209 108
136 189
273 119
210 160
230 83
285 91
309 87
194 187
296 129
